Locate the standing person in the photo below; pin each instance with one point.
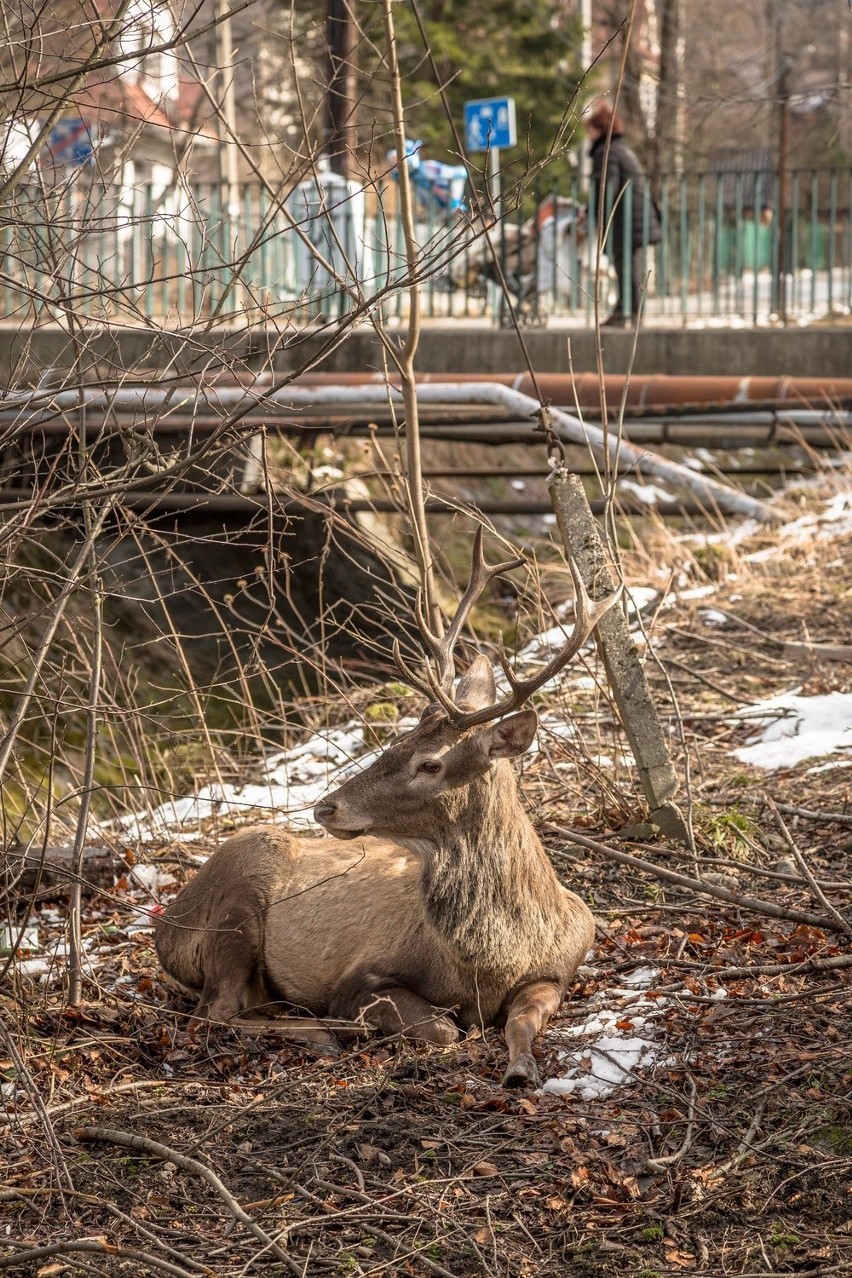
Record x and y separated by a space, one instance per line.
611 206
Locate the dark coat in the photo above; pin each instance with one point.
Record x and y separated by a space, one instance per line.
623 167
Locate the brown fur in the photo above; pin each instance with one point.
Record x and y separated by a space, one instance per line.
432 907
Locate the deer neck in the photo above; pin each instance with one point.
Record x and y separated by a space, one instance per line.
488 886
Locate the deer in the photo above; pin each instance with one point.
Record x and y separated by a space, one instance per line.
433 907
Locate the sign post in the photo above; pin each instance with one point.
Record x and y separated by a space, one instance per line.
489 125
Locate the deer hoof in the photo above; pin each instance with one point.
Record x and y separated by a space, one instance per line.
522 1072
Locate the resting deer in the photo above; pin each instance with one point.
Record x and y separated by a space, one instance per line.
433 907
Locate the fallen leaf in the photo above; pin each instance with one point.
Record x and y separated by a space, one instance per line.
615 1139
682 1259
485 1169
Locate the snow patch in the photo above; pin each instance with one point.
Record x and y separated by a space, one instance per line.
150 877
639 597
642 978
18 938
650 494
833 520
621 1037
797 728
290 783
696 592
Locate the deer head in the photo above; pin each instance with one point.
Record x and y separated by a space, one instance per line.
462 736
419 772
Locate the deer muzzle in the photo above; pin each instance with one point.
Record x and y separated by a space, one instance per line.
327 813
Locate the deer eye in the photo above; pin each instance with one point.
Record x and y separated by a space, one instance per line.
430 765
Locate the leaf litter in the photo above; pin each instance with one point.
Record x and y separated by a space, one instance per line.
695 1116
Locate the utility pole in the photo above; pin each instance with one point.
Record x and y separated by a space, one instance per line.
844 103
341 43
586 55
783 149
227 120
776 13
226 123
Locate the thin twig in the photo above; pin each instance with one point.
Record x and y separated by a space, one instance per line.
666 1160
75 905
353 1167
745 1144
26 1077
842 922
99 1246
405 362
695 885
129 1141
832 963
814 814
414 1253
60 605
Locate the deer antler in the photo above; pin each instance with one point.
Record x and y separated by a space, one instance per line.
440 648
587 615
440 665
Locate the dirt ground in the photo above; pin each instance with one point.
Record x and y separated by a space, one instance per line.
136 1144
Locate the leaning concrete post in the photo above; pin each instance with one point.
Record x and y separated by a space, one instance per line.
625 674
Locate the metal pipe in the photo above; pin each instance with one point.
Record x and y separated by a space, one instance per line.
567 427
193 407
802 466
642 389
583 389
203 504
571 429
517 433
495 429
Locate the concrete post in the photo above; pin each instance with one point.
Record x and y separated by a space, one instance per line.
636 709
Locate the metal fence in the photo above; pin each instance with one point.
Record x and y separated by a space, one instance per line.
734 247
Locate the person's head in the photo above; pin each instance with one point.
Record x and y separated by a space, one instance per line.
599 120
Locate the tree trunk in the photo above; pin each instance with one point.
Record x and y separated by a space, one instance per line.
666 147
630 99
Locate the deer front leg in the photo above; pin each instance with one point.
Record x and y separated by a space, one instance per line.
529 1011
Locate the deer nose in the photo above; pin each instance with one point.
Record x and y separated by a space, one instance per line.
324 811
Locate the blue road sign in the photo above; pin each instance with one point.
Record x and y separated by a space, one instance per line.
70 142
489 123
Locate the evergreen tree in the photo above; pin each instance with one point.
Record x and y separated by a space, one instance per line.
525 49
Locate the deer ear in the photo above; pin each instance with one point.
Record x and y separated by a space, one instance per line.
476 688
513 736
